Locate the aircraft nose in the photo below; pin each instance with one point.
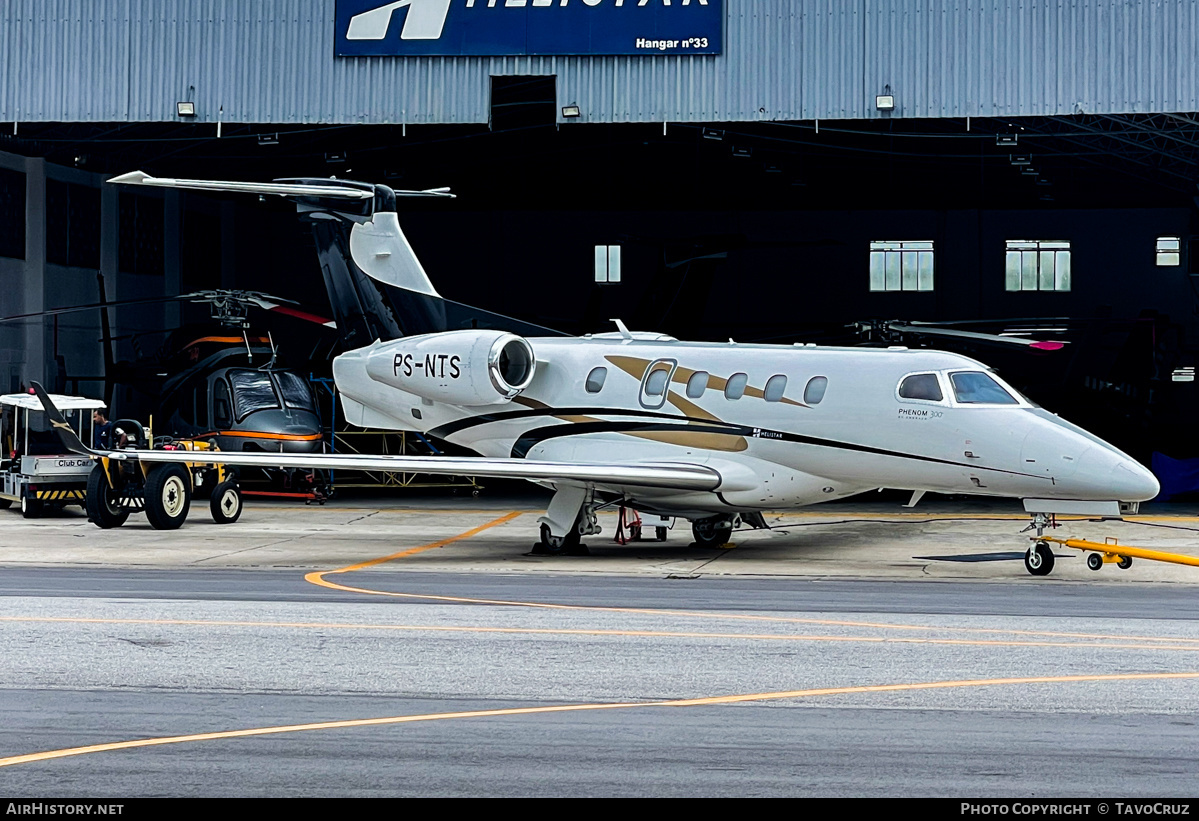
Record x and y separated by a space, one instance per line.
1113 475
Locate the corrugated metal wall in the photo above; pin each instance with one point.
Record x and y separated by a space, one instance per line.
271 61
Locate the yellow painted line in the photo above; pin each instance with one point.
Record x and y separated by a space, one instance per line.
733 616
318 578
567 708
565 631
315 578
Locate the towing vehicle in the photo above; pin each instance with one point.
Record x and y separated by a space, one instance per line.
118 485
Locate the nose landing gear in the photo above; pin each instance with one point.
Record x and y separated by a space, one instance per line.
1038 559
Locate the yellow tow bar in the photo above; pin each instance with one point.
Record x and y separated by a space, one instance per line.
1109 551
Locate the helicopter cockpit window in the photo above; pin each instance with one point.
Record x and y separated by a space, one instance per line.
252 391
978 388
296 393
222 413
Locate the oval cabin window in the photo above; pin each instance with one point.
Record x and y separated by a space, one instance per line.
595 380
775 386
697 384
814 392
735 387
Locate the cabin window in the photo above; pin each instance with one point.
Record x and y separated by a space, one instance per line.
656 384
697 384
814 392
222 408
735 387
921 386
775 386
595 380
1037 265
252 391
978 388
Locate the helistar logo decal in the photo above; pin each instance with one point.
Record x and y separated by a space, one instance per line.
513 27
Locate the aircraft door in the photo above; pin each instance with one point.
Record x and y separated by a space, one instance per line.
656 383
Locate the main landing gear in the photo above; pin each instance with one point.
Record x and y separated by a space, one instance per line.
714 531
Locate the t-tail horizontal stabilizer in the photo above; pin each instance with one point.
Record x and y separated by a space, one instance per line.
65 432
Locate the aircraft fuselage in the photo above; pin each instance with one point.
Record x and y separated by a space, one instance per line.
783 425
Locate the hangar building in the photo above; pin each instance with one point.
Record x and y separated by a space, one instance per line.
765 169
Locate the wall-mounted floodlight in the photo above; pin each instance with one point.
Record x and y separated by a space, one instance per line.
885 102
185 109
742 152
335 156
569 112
268 139
1029 171
1005 139
1021 159
713 134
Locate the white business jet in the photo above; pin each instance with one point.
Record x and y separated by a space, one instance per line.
710 432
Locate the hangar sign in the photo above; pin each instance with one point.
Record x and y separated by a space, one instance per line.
373 28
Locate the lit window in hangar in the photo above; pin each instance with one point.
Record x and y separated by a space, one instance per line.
607 263
901 265
1169 251
1037 265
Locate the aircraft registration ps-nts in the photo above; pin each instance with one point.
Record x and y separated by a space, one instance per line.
715 433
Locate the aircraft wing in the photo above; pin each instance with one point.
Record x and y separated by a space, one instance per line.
668 475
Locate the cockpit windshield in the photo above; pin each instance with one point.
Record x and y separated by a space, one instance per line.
979 388
252 391
296 393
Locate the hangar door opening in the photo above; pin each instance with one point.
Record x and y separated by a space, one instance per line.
523 101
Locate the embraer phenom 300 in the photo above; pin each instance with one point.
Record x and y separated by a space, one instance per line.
711 432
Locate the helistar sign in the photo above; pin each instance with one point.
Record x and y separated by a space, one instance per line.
371 28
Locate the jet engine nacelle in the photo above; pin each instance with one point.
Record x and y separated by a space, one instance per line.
457 367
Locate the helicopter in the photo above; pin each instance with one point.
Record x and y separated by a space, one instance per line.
220 385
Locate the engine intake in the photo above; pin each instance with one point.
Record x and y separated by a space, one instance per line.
457 367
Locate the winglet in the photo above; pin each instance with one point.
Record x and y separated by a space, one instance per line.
65 433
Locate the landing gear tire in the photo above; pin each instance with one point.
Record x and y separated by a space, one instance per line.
1038 560
559 545
103 503
31 508
660 532
634 533
712 532
1124 563
225 503
168 497
1094 561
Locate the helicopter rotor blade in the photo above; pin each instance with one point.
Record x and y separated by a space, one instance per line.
929 329
270 305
